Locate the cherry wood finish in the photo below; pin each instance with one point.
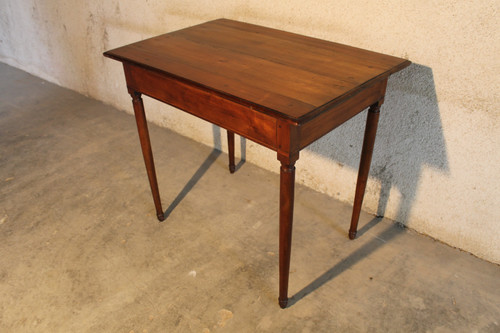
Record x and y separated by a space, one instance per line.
279 89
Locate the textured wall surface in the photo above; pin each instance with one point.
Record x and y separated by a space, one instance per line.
436 158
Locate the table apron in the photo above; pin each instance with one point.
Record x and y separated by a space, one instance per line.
238 118
338 113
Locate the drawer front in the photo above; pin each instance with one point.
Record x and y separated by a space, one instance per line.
241 119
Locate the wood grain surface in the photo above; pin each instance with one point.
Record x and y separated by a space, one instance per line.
278 72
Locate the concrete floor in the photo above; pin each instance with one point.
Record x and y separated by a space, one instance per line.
82 251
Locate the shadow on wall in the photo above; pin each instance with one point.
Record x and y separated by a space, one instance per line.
409 136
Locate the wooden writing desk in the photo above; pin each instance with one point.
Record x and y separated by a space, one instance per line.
279 89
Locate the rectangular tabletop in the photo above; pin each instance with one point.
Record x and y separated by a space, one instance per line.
278 73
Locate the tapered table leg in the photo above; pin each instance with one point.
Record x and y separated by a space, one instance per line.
364 165
230 148
147 153
287 185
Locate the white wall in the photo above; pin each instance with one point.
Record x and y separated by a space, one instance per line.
436 158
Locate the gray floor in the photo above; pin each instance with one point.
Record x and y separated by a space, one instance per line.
82 251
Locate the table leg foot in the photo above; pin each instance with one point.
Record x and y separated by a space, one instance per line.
161 217
352 234
283 302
